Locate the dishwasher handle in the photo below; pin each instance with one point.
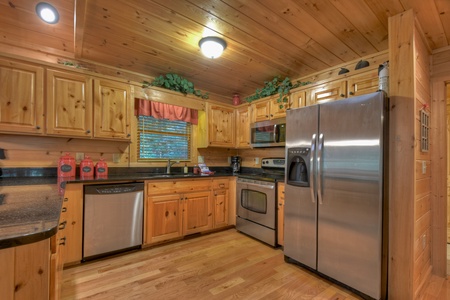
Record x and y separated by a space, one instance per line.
108 189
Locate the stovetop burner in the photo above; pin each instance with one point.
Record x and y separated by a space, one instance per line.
272 170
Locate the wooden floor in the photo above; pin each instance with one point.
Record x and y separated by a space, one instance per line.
223 265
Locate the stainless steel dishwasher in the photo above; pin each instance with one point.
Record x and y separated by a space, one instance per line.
113 218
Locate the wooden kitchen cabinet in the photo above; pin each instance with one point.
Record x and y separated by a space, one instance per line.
221 126
21 97
221 198
73 206
362 84
280 214
26 271
176 208
57 245
69 104
297 99
75 109
268 108
112 109
331 91
197 213
243 127
164 218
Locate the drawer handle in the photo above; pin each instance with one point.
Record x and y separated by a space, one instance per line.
62 225
62 241
342 95
351 93
222 185
64 209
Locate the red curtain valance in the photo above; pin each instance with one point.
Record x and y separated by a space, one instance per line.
158 110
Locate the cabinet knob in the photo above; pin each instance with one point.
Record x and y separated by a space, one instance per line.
128 135
64 209
66 199
38 127
351 93
342 95
62 241
88 131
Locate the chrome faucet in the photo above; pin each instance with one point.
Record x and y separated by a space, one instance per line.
169 164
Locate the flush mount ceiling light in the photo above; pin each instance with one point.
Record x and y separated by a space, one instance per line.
47 12
212 46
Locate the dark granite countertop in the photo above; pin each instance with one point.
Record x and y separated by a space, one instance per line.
29 212
30 206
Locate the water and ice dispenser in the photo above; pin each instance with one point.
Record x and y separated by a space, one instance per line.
298 166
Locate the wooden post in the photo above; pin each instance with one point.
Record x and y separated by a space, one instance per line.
401 156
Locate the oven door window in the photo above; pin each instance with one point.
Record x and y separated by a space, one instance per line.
254 201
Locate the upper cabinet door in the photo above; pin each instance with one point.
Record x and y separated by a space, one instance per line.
112 109
297 99
331 91
21 97
261 111
243 127
221 126
362 84
277 109
69 104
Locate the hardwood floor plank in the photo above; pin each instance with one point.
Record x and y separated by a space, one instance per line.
222 265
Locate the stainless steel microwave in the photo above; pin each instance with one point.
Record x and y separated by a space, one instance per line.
270 133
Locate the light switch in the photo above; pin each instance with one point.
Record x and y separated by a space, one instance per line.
424 167
256 160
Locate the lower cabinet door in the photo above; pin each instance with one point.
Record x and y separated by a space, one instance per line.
197 212
164 218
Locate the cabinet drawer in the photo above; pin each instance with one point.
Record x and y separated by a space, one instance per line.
221 184
177 186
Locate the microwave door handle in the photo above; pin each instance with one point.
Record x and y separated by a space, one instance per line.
275 133
312 186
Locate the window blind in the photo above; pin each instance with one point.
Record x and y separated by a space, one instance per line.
163 139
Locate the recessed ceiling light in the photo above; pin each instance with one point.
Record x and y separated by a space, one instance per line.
47 12
212 46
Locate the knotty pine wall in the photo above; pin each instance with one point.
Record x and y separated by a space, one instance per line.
440 201
422 207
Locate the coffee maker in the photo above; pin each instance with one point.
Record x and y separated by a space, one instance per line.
236 164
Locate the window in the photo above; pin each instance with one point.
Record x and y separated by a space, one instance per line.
163 139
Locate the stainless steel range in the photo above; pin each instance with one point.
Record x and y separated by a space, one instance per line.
257 201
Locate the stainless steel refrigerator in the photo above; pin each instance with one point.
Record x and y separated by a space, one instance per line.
335 192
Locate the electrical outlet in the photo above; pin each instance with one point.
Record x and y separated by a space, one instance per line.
79 157
256 160
424 167
116 157
229 159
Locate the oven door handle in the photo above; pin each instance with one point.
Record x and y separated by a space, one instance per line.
269 187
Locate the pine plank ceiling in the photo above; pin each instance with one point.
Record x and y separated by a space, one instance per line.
265 38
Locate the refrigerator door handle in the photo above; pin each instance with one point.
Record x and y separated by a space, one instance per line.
311 171
319 169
